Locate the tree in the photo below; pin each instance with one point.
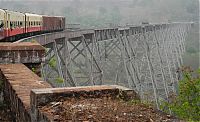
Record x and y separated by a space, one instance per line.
186 104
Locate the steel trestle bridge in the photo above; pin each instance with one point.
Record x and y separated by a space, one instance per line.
144 58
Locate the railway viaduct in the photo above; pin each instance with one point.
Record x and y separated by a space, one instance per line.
144 59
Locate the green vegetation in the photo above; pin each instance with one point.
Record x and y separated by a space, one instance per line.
52 62
186 104
33 70
59 80
141 102
33 41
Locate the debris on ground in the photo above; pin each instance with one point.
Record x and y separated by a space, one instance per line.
104 110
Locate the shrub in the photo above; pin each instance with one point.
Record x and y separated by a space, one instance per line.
186 104
59 80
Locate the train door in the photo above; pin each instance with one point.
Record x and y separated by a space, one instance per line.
28 24
5 21
2 15
6 24
23 24
9 25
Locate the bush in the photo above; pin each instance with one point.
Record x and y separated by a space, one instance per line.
52 63
186 104
60 80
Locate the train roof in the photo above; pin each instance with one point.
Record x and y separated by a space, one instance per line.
13 12
2 10
52 16
29 14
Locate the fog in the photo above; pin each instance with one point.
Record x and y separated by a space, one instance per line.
103 12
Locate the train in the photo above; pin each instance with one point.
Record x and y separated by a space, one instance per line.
16 25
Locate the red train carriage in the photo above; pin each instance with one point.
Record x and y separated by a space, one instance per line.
51 23
62 23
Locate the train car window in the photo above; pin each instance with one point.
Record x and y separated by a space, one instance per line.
11 24
1 24
20 23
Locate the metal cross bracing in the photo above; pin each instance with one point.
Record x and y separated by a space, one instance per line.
145 58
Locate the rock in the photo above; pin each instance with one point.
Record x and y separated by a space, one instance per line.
56 117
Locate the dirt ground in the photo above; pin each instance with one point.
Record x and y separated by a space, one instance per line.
103 110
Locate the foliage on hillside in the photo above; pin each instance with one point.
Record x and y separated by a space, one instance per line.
186 104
